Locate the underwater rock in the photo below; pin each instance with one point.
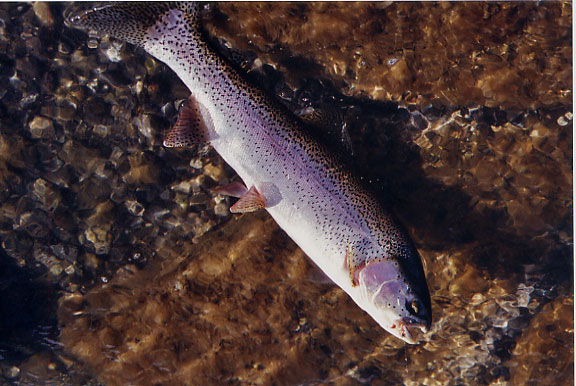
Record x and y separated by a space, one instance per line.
41 127
12 373
537 347
96 235
460 118
141 169
44 13
442 50
44 193
65 252
134 207
36 223
202 313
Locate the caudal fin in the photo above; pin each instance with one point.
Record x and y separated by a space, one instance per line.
129 21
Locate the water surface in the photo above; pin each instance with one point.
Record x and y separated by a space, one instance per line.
119 266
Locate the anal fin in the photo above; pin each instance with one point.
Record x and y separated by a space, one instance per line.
251 201
190 128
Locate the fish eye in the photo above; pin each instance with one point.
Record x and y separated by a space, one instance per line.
413 307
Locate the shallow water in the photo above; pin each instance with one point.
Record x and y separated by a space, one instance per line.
119 266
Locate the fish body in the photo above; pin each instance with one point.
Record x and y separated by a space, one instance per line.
312 196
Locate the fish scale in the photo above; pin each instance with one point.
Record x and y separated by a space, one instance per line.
312 196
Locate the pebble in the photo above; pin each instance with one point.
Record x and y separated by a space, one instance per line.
221 209
43 192
184 187
41 127
64 48
565 119
35 223
100 239
134 207
56 269
12 372
94 168
43 13
144 125
196 163
101 130
70 270
114 51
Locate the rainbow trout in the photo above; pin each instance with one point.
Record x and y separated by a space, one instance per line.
311 194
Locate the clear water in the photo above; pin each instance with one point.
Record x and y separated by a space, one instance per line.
119 266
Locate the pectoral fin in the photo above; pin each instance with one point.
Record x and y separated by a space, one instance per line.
251 201
189 129
354 263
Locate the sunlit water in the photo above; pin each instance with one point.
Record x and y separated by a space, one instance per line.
119 266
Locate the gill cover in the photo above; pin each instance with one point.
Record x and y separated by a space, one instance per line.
392 286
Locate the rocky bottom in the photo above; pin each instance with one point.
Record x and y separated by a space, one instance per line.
119 265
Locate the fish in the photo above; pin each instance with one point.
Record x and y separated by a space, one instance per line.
308 190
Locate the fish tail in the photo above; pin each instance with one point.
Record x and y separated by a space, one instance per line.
129 21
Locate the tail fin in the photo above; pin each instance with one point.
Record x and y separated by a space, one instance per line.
128 21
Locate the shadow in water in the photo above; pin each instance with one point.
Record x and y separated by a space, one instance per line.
446 217
28 321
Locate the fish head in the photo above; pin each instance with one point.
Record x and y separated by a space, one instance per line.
394 299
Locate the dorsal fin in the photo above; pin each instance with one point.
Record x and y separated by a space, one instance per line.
328 118
189 129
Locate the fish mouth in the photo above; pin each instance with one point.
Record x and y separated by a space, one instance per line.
403 325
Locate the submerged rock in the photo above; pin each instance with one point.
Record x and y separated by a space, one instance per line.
509 55
41 127
207 308
460 119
